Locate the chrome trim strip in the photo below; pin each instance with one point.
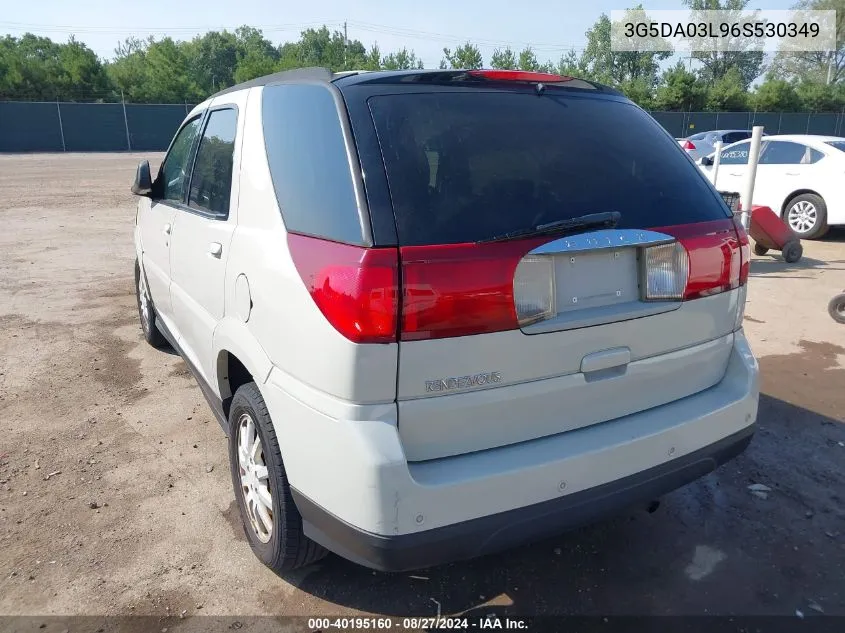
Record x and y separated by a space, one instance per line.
603 239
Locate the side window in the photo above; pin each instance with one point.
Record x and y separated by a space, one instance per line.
173 170
735 155
734 137
306 152
211 182
787 153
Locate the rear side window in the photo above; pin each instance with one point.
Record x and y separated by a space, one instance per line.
173 172
309 164
788 153
468 166
736 155
735 137
211 182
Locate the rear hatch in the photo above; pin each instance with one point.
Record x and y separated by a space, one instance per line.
505 337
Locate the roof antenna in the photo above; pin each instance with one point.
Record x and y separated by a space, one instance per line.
540 88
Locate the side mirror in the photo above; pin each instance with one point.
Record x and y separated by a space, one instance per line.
143 185
707 161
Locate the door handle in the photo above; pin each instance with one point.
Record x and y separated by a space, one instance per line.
167 228
215 249
792 173
735 174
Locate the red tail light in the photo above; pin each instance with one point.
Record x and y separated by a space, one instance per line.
688 145
355 288
518 75
717 260
460 289
744 249
463 289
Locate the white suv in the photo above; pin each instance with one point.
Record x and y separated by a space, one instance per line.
440 313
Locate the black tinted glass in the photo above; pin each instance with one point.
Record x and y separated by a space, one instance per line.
211 183
463 167
309 163
840 145
735 137
173 170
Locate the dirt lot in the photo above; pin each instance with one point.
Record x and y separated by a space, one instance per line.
115 495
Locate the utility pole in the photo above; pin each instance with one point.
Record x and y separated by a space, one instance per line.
829 66
345 43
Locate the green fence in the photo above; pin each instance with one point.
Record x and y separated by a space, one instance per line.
114 127
681 124
88 127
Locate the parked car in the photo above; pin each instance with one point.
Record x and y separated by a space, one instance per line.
430 325
799 176
704 143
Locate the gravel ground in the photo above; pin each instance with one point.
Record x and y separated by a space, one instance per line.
107 505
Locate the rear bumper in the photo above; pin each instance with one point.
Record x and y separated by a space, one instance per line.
361 497
497 532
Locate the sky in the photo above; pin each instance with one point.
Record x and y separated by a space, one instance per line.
551 27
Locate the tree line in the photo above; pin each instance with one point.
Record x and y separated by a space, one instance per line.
168 71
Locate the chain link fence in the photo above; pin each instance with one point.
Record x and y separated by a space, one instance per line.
88 127
682 124
27 126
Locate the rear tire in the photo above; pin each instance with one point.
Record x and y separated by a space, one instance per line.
760 250
792 251
146 311
836 308
271 520
806 214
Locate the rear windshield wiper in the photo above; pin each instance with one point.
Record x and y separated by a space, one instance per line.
606 220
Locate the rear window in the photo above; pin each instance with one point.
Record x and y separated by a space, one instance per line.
840 145
734 137
468 166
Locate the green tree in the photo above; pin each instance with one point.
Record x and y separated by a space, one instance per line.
401 60
727 93
528 60
503 59
824 67
717 64
128 69
33 67
775 95
680 90
466 56
212 59
818 97
256 55
640 91
619 67
573 65
167 73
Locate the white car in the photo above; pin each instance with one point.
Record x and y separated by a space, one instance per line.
800 176
704 143
429 327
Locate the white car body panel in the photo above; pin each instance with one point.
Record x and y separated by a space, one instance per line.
775 185
360 435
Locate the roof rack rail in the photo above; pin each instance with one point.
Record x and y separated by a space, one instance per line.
298 74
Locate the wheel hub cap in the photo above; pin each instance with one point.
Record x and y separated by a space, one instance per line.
255 483
802 216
